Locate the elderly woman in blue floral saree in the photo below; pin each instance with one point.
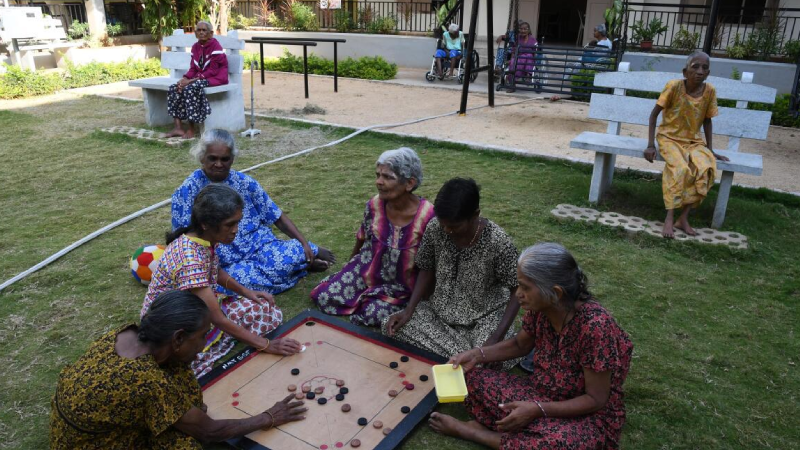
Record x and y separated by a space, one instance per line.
257 258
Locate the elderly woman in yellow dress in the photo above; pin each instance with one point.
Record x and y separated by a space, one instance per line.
691 165
134 388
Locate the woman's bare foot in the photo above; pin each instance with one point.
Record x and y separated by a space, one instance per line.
326 255
683 224
318 265
176 132
469 431
189 134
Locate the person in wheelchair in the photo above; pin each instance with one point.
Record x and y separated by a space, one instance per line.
453 43
598 50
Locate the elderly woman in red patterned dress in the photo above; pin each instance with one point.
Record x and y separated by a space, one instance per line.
186 101
574 399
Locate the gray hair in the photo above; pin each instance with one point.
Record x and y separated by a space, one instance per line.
548 265
694 55
601 29
207 23
452 27
404 163
213 136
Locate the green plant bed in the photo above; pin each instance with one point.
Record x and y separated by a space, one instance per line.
19 83
715 361
366 67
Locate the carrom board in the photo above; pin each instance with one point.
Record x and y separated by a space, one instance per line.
252 382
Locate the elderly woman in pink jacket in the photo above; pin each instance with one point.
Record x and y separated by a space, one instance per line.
187 100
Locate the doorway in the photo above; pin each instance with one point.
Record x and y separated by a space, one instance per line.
562 22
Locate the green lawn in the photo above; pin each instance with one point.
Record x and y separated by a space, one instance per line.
716 354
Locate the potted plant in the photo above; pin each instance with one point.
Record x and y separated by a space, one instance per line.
644 34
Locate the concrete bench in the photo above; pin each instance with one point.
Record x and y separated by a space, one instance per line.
227 103
735 123
27 32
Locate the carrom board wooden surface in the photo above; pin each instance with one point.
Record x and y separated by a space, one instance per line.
252 382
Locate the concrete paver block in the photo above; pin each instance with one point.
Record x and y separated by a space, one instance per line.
147 135
634 224
565 211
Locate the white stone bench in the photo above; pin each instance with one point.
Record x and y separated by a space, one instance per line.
736 123
227 103
27 32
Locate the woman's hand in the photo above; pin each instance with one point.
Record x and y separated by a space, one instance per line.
468 359
283 347
309 253
721 158
500 38
650 153
286 411
260 297
520 415
397 321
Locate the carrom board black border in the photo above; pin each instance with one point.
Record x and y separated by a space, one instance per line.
398 434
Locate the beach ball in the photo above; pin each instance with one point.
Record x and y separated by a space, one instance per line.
144 262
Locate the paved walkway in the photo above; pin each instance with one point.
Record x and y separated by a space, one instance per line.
522 122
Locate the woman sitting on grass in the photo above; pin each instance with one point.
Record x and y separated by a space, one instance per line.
186 100
190 262
256 258
691 164
133 388
464 296
380 276
574 399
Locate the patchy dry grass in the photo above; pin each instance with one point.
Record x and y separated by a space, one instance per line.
715 329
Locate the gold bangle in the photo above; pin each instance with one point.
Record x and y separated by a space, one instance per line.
227 281
264 347
271 418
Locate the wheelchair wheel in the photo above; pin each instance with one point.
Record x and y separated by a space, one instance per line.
476 63
430 76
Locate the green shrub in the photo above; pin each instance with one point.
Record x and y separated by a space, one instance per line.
18 83
383 25
582 79
343 21
114 29
741 48
296 17
791 49
368 68
684 41
240 22
78 30
781 114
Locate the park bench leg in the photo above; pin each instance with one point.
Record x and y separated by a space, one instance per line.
155 107
601 179
608 171
227 111
722 199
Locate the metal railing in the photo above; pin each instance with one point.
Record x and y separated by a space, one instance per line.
558 70
411 16
689 22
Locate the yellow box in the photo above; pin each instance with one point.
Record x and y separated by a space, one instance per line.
450 384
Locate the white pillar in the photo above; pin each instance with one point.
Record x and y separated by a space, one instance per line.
96 15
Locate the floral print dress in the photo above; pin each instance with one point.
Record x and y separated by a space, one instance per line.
378 281
189 263
593 340
257 258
